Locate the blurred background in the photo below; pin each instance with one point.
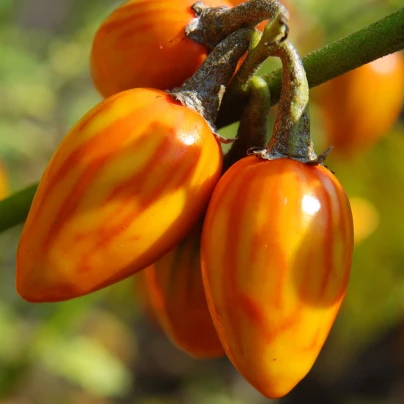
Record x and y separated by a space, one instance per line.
102 349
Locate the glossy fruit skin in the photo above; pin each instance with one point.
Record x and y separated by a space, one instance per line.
126 184
176 293
4 187
276 255
362 105
143 44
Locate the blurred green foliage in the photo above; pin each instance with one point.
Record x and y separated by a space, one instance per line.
99 348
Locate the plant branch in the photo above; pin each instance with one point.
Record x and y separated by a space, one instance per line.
14 209
373 42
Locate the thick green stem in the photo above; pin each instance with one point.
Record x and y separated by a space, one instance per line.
14 209
213 24
373 42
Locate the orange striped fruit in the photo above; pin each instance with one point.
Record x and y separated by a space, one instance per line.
126 184
4 187
175 288
276 255
143 44
361 106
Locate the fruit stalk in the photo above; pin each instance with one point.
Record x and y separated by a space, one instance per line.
291 136
212 24
260 49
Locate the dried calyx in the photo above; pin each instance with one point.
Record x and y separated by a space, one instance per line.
203 92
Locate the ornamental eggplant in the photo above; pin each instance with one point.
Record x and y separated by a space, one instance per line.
276 253
143 44
362 105
126 184
175 289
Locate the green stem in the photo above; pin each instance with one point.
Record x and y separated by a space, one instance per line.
253 129
259 50
373 42
14 209
377 40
